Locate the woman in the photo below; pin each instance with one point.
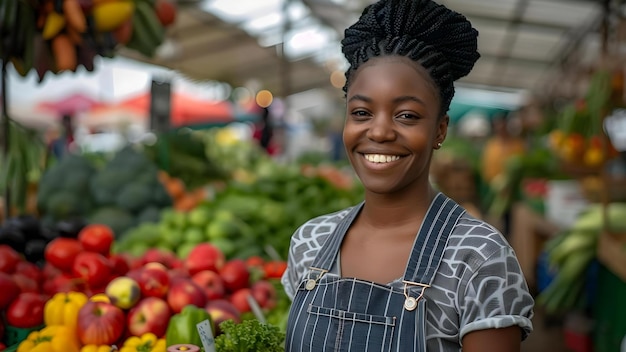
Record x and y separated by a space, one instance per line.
407 269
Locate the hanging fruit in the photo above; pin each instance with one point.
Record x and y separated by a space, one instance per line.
63 35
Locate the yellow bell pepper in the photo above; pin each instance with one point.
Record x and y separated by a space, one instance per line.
147 342
100 297
53 338
63 308
97 348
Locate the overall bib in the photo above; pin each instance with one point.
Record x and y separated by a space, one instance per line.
332 313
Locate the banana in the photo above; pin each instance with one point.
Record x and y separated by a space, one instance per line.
140 39
55 22
151 22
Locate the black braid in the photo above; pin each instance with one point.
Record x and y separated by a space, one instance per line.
439 39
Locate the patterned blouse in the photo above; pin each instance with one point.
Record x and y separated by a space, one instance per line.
479 284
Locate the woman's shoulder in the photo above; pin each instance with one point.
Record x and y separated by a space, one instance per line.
314 232
474 241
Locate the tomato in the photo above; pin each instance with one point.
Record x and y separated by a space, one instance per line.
255 261
274 268
8 259
62 251
96 238
94 268
26 311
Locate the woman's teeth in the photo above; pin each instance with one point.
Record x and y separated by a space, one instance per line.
379 158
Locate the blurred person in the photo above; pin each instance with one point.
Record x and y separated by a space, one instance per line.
264 133
63 142
407 269
500 146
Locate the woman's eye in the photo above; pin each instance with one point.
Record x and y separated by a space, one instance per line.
360 113
408 116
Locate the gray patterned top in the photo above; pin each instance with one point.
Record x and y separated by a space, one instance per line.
479 284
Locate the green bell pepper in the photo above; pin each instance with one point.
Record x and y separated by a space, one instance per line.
182 326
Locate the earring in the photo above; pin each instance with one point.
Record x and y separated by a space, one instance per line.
439 145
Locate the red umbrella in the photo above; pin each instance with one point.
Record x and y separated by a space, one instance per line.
184 109
69 105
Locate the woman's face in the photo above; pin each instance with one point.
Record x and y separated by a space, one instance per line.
392 124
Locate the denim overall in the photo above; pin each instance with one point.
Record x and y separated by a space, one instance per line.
332 313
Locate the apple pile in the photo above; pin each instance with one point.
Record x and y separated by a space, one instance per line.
131 296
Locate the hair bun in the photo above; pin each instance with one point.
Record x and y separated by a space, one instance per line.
424 21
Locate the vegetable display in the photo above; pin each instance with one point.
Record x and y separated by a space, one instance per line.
182 326
571 253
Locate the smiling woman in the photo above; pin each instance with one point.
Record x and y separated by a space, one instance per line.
407 269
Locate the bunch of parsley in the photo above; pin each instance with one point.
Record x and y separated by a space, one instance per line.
249 336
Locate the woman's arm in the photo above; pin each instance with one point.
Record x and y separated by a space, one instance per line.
493 340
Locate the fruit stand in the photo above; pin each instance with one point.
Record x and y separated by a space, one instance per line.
146 254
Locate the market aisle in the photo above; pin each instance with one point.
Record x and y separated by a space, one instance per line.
545 337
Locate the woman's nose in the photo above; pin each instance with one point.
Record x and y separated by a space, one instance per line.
381 130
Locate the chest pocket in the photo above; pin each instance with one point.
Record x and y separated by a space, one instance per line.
340 330
347 315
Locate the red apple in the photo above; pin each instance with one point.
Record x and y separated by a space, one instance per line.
264 293
63 283
211 282
49 271
235 275
177 264
92 267
119 265
26 311
8 259
178 274
184 292
151 314
204 256
154 280
221 310
25 283
97 238
62 251
100 323
29 269
9 289
159 255
239 299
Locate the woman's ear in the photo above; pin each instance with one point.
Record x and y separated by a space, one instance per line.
442 131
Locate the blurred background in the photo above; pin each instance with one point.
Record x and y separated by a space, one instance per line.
175 123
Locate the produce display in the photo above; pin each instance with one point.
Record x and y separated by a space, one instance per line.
577 138
62 35
123 193
85 297
570 255
116 256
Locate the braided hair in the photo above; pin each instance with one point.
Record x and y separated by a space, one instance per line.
439 39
